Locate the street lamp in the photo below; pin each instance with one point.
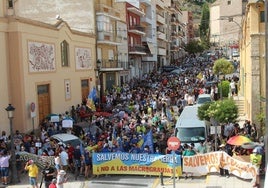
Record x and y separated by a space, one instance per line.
99 81
14 177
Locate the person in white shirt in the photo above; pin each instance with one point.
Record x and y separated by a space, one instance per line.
64 159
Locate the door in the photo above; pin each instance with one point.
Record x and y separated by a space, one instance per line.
44 105
84 89
110 81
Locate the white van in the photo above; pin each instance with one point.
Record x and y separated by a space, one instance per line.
189 128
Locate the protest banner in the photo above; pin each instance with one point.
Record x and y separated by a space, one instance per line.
203 164
40 161
138 164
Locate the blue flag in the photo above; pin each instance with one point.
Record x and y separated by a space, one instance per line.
148 140
92 97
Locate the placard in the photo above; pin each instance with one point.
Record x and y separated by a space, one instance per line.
54 118
67 123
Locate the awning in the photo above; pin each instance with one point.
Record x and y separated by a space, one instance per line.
151 47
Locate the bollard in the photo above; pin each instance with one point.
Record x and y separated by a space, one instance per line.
161 178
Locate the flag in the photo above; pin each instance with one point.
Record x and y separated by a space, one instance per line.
148 140
92 96
200 76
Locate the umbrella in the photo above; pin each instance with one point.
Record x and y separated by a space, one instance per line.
238 140
250 145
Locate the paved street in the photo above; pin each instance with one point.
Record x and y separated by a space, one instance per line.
211 181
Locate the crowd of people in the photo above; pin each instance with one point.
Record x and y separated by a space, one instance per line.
152 103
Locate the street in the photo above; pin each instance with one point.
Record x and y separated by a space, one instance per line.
128 181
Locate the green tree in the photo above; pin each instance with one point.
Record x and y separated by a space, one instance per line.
204 26
194 47
201 111
223 66
222 111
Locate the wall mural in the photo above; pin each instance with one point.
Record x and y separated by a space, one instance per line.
41 57
83 58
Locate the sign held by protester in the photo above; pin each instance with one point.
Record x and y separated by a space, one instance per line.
135 163
203 164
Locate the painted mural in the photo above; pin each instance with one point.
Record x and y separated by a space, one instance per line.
41 57
83 58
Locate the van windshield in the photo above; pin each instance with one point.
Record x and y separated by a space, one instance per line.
195 134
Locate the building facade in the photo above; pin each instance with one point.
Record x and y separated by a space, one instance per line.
225 26
48 59
252 64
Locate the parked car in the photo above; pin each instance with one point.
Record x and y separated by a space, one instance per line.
65 139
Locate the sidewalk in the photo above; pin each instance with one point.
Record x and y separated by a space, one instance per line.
72 183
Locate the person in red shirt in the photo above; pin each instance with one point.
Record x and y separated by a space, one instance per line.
70 151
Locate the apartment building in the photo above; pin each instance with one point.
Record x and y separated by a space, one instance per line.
162 30
110 34
176 33
187 20
225 26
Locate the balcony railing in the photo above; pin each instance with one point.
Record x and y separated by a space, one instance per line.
137 27
102 8
137 48
110 63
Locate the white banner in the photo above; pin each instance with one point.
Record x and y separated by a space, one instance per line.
203 164
67 123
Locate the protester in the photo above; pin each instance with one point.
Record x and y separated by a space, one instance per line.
48 174
255 159
4 164
32 172
61 179
223 171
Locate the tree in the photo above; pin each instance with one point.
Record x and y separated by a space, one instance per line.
223 66
222 111
194 47
204 26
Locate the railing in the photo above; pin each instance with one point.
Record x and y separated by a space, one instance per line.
137 27
107 9
110 63
137 48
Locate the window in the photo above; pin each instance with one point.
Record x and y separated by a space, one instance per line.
64 54
262 17
10 3
229 2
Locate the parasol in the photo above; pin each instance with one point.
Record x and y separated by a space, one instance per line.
238 140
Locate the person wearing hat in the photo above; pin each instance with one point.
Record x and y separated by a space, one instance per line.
32 172
61 178
255 160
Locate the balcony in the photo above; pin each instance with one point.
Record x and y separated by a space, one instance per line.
136 11
160 19
107 38
137 29
111 65
147 2
146 20
161 35
102 9
160 4
174 21
137 50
